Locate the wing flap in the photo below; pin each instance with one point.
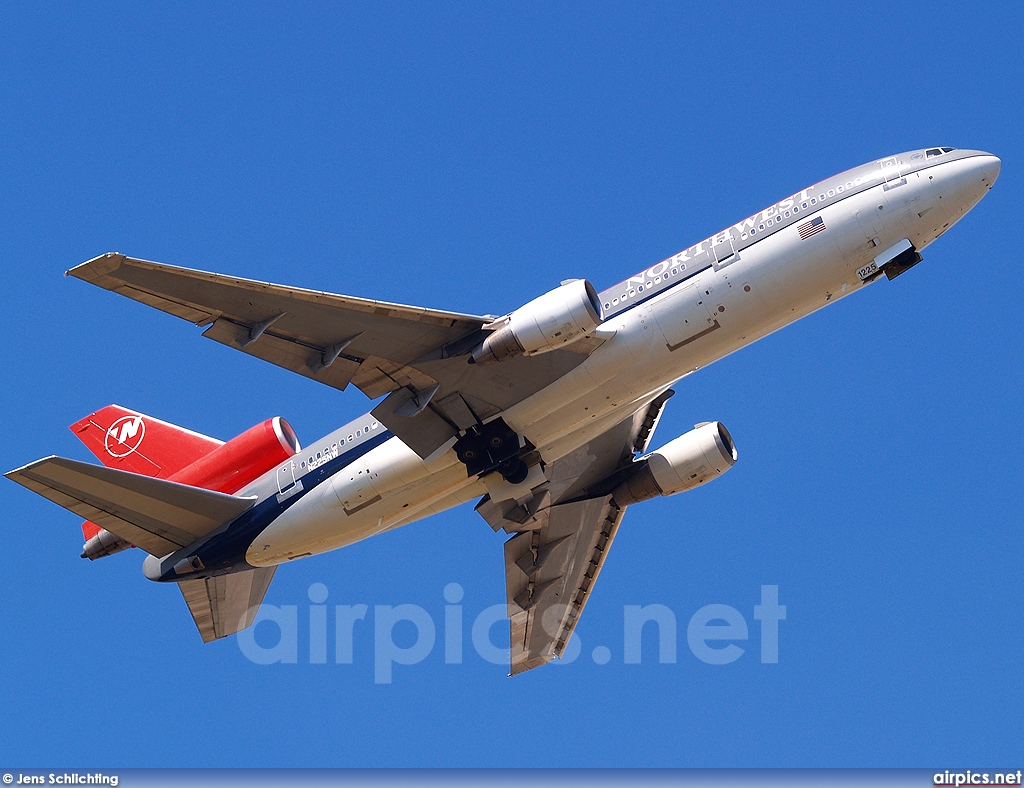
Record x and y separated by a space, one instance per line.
226 604
157 515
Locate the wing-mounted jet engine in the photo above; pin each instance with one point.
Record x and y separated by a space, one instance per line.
702 454
554 320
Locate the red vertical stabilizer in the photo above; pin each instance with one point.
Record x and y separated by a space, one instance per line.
130 441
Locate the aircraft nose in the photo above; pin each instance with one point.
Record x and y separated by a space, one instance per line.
989 166
965 181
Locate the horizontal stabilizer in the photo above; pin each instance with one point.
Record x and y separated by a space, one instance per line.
226 604
156 515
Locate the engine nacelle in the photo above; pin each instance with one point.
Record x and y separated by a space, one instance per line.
547 323
103 543
702 454
244 458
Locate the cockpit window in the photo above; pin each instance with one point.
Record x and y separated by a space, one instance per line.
948 150
934 152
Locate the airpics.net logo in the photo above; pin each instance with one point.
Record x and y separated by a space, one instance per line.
406 635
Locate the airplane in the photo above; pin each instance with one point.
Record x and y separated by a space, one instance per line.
544 416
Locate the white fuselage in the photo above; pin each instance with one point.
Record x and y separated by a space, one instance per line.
753 282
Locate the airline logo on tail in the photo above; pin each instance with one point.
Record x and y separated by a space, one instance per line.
124 436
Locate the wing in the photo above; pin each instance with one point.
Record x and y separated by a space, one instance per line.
417 356
226 604
157 515
560 544
331 338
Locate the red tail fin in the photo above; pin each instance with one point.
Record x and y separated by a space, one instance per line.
131 441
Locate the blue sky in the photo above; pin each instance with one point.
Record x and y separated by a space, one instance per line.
469 157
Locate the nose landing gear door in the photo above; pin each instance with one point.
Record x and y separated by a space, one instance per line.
287 484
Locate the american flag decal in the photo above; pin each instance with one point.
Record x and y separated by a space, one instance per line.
807 229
